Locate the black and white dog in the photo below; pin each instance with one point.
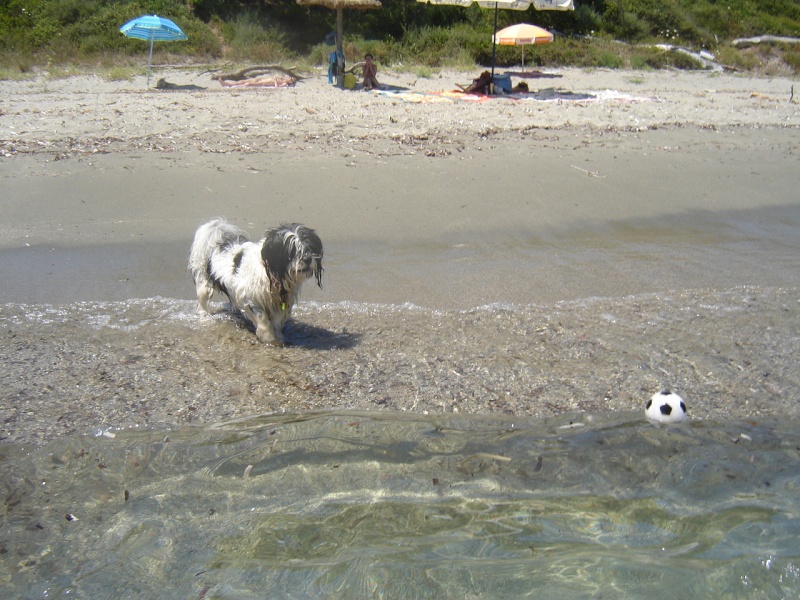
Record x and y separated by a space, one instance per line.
262 280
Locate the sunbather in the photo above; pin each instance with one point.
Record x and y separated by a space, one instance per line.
261 81
480 85
370 73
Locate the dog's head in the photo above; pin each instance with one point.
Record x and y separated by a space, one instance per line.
292 253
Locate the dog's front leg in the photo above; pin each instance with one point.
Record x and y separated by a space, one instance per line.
269 330
269 334
278 319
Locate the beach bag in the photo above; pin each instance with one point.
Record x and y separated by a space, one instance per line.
503 82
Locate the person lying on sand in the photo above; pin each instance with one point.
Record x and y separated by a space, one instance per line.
272 82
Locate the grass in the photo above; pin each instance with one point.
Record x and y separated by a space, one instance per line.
121 73
83 34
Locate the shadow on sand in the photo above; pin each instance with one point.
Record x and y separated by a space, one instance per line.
303 335
312 337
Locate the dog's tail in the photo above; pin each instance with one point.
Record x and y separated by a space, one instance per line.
209 238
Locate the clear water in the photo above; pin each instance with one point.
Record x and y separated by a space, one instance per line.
409 493
358 505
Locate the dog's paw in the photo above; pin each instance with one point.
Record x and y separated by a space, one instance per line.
269 338
271 341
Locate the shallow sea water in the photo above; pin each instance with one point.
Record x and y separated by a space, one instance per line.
502 454
360 505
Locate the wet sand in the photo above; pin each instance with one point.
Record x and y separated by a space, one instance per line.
118 225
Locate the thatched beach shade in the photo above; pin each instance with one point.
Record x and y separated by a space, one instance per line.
339 6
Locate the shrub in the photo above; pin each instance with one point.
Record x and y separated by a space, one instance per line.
402 32
609 60
648 57
437 47
792 58
253 38
733 57
682 60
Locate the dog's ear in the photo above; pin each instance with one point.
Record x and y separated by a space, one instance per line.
312 241
276 255
318 273
314 245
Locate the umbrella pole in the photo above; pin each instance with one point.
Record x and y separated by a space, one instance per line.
494 40
150 59
339 47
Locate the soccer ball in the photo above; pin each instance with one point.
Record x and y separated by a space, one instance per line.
666 407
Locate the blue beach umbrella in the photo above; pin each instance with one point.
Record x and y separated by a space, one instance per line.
152 28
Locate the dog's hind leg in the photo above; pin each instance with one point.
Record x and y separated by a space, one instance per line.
204 293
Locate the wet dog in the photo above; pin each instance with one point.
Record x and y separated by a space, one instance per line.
261 279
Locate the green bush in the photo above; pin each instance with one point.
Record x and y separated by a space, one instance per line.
609 60
792 58
79 28
683 61
438 47
656 58
252 38
36 32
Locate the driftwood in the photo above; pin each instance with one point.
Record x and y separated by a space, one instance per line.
764 39
703 57
252 72
359 66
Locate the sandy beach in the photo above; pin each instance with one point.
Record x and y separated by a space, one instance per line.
420 197
459 411
88 162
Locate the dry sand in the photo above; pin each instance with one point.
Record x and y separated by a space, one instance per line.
84 114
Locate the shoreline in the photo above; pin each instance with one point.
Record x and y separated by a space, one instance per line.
92 367
690 190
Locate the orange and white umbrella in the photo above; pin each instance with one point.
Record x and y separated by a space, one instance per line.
522 34
510 5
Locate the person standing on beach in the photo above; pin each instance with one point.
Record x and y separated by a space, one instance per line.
370 73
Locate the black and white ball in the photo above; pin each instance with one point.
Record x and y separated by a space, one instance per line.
666 407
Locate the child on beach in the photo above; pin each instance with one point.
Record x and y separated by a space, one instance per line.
370 73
